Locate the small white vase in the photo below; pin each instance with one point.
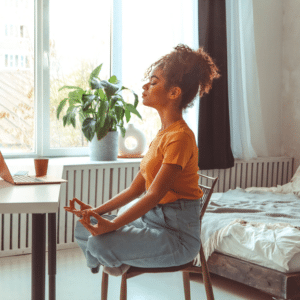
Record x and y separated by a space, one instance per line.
140 137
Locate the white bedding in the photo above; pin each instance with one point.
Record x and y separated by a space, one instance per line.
265 238
261 245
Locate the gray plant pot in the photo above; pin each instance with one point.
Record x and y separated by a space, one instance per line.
106 149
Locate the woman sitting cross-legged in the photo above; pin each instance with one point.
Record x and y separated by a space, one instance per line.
162 228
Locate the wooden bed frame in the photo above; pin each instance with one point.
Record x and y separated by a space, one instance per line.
285 286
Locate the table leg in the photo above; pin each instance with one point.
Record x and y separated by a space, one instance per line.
51 254
38 256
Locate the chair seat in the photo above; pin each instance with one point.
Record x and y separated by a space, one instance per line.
159 270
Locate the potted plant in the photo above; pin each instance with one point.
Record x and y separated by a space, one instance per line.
101 108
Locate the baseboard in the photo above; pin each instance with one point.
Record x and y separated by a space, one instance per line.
28 250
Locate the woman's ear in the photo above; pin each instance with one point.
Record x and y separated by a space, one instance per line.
175 92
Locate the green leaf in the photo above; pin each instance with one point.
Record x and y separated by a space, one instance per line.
65 120
123 112
112 120
109 88
123 131
113 101
101 112
89 111
102 95
136 99
76 96
82 116
70 109
119 112
127 114
132 109
113 79
102 131
95 73
88 128
73 120
70 87
61 106
95 84
87 101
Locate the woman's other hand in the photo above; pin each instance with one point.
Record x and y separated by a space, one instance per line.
103 225
77 212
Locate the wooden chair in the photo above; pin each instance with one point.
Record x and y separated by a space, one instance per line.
186 269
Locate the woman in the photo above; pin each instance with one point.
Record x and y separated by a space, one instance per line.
162 229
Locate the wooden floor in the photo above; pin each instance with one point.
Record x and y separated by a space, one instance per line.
75 281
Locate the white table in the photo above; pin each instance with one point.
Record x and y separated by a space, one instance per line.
37 200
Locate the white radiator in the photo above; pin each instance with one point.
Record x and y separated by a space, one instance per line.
96 184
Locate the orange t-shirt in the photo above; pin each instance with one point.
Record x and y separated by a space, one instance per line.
174 145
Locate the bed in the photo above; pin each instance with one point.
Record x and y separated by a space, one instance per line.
241 246
253 236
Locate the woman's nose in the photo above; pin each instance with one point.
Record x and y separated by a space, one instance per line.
145 86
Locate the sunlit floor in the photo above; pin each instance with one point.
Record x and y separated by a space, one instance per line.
75 281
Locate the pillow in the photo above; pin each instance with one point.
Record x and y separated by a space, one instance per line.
291 187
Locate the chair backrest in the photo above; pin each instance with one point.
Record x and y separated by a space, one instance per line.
207 192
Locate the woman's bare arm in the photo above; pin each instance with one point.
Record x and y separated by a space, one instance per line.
136 189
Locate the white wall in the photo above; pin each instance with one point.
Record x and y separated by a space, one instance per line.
277 38
267 15
290 132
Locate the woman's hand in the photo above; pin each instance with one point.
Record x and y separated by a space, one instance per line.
77 212
103 225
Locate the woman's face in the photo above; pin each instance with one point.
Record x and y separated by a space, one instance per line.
155 94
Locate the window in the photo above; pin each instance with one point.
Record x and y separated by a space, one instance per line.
17 130
73 57
157 34
69 44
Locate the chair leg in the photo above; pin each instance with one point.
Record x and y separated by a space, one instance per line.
206 277
104 286
123 293
186 285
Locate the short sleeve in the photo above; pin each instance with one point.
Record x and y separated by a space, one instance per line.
178 149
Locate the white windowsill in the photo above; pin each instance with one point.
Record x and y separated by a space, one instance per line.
57 164
70 161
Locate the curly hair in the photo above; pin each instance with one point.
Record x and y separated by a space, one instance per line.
188 69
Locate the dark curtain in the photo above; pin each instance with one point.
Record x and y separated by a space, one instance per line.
214 131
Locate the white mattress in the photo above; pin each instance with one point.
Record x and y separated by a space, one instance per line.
250 244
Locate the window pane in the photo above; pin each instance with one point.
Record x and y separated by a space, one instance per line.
77 46
153 42
148 33
16 85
